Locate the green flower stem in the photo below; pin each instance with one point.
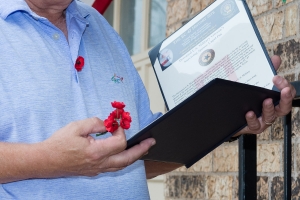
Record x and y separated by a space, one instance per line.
99 134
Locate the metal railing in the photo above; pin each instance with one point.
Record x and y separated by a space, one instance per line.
248 160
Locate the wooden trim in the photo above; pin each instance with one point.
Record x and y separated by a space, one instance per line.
160 178
117 15
140 56
145 25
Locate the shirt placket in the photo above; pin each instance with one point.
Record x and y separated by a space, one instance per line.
66 48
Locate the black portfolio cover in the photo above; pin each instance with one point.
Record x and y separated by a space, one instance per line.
202 122
214 113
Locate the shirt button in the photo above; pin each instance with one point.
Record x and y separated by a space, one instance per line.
55 36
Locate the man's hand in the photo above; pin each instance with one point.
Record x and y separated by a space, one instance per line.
70 151
255 125
269 112
75 152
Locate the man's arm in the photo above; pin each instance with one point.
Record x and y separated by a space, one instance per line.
20 161
70 151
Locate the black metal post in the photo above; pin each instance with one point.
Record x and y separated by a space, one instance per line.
247 168
287 156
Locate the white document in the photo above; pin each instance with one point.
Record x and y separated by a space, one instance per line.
220 42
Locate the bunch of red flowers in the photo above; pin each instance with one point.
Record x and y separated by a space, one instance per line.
117 118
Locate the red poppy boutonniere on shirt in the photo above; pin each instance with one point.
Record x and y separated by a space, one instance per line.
79 63
118 117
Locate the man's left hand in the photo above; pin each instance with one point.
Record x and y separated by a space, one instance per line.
270 112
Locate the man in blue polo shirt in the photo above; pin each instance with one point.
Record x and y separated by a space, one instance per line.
50 109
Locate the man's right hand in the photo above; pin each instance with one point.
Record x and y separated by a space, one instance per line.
71 151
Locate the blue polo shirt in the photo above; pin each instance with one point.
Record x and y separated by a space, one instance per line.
41 92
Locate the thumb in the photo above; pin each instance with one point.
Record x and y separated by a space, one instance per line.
89 126
114 144
276 62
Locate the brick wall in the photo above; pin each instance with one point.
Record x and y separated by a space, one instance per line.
216 175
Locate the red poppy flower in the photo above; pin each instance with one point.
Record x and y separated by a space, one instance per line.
125 120
117 118
125 124
126 116
118 105
111 124
79 63
118 113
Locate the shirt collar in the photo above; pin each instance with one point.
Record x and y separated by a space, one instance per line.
7 7
11 6
78 12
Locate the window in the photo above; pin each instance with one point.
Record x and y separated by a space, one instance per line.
109 13
140 23
158 22
131 24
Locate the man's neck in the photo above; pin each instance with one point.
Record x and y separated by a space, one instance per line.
53 10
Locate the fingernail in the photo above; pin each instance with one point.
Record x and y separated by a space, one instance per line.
289 94
270 103
146 153
153 143
279 79
251 115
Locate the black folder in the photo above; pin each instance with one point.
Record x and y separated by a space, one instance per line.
203 121
210 116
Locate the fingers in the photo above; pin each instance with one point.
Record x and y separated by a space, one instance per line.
114 144
88 126
257 125
268 112
129 156
288 93
281 82
253 122
107 147
276 61
285 104
78 153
